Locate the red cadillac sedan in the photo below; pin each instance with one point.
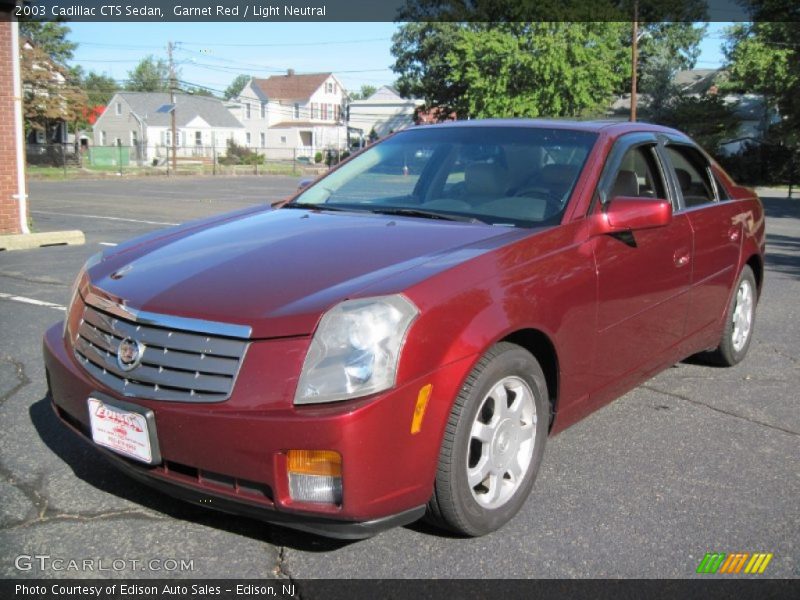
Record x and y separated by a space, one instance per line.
401 337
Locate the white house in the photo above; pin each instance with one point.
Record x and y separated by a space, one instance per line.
203 125
384 111
293 115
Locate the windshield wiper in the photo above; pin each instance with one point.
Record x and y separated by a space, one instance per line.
313 206
425 214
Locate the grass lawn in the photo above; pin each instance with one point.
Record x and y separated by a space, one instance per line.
271 168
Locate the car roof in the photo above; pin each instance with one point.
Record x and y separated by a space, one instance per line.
610 128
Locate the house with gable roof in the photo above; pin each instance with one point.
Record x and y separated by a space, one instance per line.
293 115
133 119
383 112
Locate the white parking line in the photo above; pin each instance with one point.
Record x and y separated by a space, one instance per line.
106 244
64 214
33 301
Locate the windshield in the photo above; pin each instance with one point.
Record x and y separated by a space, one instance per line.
516 176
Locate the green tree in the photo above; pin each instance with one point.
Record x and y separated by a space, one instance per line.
196 90
48 93
764 58
99 88
424 59
236 86
512 69
365 92
150 75
706 119
51 38
665 49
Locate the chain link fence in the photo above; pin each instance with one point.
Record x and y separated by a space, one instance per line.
197 159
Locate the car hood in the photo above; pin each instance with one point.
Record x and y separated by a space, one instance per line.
277 271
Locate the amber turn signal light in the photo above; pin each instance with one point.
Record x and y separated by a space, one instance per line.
314 462
420 407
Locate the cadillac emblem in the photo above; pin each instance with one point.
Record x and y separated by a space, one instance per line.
129 354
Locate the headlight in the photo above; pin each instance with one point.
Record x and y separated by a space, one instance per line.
73 292
355 350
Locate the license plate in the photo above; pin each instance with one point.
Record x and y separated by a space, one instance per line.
123 431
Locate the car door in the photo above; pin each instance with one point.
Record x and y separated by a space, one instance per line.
718 230
643 276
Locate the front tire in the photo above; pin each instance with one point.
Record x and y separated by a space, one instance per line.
739 321
493 443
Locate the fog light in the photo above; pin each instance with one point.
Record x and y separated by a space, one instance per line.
315 476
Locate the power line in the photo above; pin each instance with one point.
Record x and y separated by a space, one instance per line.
289 44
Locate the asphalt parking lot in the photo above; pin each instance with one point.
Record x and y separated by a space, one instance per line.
698 459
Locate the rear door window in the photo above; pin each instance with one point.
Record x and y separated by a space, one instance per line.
692 175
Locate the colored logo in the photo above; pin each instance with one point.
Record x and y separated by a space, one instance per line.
737 562
129 354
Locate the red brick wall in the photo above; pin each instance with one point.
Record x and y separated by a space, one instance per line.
9 206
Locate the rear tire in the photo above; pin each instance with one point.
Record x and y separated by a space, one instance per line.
739 321
493 443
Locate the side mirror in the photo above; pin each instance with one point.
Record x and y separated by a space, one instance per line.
627 213
304 183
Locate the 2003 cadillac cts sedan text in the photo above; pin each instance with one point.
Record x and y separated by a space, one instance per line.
402 336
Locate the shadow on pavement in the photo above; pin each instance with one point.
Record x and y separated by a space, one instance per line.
783 251
783 254
91 467
781 207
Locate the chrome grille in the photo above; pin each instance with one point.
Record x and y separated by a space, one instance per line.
176 365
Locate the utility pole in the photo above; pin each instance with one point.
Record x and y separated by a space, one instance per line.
172 86
634 57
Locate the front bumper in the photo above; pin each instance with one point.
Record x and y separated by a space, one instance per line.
232 455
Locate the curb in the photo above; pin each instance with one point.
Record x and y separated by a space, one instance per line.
26 241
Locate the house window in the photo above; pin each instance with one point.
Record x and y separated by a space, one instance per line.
168 138
263 140
283 139
118 108
330 111
40 136
337 111
246 110
296 111
103 138
134 138
198 138
247 138
324 112
329 88
263 110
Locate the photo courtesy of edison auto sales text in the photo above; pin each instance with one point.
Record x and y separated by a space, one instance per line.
126 589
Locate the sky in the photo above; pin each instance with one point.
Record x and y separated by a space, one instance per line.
212 54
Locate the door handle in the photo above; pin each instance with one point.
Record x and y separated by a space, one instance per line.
681 258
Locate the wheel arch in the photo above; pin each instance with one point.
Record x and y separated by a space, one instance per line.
542 348
756 263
